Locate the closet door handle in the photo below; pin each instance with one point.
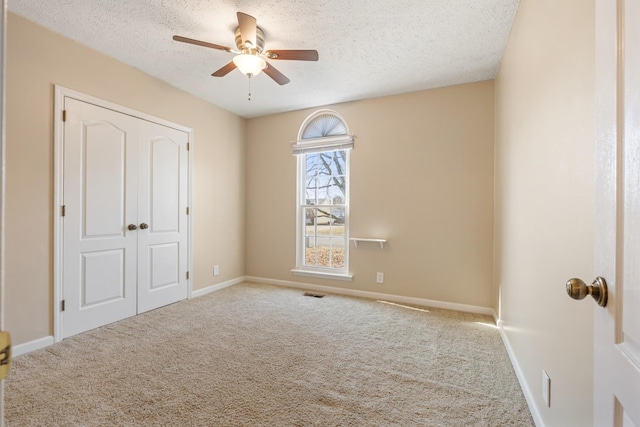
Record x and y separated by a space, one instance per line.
132 227
144 226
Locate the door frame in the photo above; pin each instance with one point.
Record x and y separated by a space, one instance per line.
3 103
58 153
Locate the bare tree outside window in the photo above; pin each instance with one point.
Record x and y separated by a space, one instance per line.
324 209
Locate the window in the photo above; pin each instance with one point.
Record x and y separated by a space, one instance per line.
323 150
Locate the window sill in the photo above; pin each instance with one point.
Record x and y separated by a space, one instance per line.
335 276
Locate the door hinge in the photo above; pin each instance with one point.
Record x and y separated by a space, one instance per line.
188 146
62 305
64 115
187 210
187 275
64 210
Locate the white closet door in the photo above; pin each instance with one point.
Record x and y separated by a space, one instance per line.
162 206
99 251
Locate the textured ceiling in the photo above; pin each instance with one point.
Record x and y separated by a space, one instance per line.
367 48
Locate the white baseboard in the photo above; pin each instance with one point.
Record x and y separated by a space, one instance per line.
28 347
528 395
375 295
217 287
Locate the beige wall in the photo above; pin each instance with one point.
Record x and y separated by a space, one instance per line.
36 60
544 200
421 177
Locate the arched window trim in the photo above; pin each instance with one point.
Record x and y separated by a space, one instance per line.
302 148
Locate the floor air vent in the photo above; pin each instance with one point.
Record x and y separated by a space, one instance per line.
309 294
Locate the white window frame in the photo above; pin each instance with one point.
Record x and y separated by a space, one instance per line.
315 145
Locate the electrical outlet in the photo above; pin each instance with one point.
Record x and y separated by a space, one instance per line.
379 277
546 388
216 270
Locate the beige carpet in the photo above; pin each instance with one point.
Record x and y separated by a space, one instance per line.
259 355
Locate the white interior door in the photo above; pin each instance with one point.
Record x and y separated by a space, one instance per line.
617 327
162 207
100 199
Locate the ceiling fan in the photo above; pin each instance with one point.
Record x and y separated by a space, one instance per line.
251 57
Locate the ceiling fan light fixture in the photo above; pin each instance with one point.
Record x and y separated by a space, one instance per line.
250 59
248 64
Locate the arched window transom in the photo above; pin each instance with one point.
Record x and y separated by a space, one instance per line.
322 124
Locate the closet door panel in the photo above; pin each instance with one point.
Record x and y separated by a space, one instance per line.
162 207
100 198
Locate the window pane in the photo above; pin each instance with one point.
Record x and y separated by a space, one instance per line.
311 163
337 258
310 221
323 220
337 224
311 191
335 191
334 162
338 162
323 185
316 252
311 251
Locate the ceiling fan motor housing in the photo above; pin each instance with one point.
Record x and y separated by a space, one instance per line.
258 48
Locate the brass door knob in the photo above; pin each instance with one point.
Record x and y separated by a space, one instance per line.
577 289
144 226
132 227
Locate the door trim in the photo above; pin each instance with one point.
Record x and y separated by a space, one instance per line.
58 139
3 159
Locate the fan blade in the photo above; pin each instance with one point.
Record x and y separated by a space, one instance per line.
276 75
247 24
298 55
201 43
225 70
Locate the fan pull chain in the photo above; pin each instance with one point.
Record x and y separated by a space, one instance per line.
249 87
